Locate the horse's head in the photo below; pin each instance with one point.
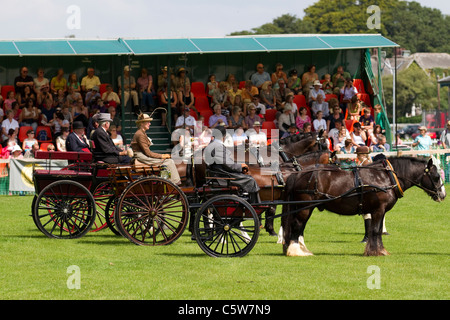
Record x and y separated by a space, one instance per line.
432 183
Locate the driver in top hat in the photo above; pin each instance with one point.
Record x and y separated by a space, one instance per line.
104 148
77 140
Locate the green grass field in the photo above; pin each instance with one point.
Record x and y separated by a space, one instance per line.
35 267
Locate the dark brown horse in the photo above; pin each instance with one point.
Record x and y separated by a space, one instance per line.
369 189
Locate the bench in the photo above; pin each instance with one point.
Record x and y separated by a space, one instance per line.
64 155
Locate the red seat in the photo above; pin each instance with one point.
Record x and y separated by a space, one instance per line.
300 100
198 89
64 155
102 88
23 132
194 114
44 146
206 114
49 133
349 124
241 84
5 90
330 96
270 129
202 104
359 85
270 114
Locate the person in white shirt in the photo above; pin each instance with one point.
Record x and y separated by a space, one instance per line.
256 138
319 123
313 93
186 120
334 133
9 123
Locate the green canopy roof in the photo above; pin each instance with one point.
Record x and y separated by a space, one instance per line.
263 43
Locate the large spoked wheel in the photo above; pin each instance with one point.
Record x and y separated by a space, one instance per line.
151 211
102 194
64 210
226 226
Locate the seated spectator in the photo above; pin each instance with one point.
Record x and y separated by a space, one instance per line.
22 81
61 139
9 124
320 105
58 123
89 81
260 108
115 120
319 123
163 79
29 141
281 94
73 83
212 85
348 148
306 127
375 134
40 81
354 109
339 79
260 76
164 103
286 119
116 138
252 117
146 90
308 79
315 91
44 97
29 115
230 79
80 112
292 131
327 84
267 95
239 137
186 98
110 97
217 117
67 114
294 83
58 83
98 106
181 79
91 96
60 99
337 115
28 94
256 137
72 97
10 141
341 138
186 121
381 145
16 152
30 153
51 147
205 137
221 96
302 118
278 75
358 136
290 102
77 140
379 116
17 111
10 99
249 91
334 132
366 120
236 119
347 92
233 92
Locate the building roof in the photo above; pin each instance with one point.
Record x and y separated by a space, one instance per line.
253 43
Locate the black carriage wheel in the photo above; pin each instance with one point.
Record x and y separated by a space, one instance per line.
226 226
65 210
109 215
102 195
151 211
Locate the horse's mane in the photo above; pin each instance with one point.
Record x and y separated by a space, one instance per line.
402 165
296 137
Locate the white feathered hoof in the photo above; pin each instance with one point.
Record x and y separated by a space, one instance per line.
295 250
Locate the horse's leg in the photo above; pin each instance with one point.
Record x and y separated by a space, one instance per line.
374 246
294 235
270 212
367 222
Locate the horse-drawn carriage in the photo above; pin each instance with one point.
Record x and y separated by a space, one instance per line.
139 203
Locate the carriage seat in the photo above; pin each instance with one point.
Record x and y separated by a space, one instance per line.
64 155
217 178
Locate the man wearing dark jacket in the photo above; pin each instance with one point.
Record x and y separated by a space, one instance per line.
76 140
104 148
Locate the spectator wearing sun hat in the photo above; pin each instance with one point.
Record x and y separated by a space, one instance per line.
445 136
422 141
315 91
